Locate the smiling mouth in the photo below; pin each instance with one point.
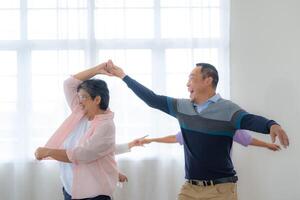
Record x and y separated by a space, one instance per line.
82 106
191 91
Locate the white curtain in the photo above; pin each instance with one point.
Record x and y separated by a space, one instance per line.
156 42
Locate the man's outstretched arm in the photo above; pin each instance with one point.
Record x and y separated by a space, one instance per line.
153 100
263 125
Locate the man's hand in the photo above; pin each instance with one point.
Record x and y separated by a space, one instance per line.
277 131
41 153
102 69
114 70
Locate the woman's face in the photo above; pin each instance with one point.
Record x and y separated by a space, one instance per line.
88 104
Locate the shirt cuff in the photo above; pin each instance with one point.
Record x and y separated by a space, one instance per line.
122 148
70 155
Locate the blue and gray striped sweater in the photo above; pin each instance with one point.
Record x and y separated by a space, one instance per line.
208 135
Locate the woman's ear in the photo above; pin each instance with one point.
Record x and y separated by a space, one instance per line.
97 100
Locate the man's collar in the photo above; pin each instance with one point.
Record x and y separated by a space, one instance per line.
212 99
215 98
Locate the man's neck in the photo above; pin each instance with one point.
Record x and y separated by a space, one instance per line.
204 97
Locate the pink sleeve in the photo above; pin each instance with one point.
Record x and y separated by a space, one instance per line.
100 144
70 90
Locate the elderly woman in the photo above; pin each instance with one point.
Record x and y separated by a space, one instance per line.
85 142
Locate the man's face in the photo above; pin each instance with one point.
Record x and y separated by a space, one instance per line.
196 84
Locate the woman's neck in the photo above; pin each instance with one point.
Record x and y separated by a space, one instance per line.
92 115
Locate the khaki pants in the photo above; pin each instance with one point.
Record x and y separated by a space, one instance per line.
224 191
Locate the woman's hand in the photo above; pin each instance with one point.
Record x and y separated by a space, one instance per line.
114 70
41 153
102 69
273 147
137 142
122 178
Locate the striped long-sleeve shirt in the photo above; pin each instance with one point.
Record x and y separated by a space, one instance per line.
207 135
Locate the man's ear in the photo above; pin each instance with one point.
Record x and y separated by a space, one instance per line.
209 80
97 100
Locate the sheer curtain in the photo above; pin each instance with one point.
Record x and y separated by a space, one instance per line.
156 42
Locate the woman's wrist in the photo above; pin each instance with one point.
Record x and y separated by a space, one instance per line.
47 153
130 145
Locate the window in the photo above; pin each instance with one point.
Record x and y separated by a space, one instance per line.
156 42
8 101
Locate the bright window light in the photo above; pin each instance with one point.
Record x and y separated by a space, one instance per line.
174 3
57 24
135 21
57 4
205 3
58 62
178 60
112 28
9 29
42 24
206 22
10 4
8 60
175 23
109 3
72 24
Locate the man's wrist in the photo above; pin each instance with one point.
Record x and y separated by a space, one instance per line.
274 125
271 123
122 76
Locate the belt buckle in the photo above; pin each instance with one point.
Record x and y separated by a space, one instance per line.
201 183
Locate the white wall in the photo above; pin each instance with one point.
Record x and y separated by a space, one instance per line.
265 70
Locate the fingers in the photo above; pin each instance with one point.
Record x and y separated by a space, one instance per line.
285 139
145 141
122 178
37 155
273 137
110 64
40 153
140 141
277 131
107 73
280 137
110 68
275 147
142 138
